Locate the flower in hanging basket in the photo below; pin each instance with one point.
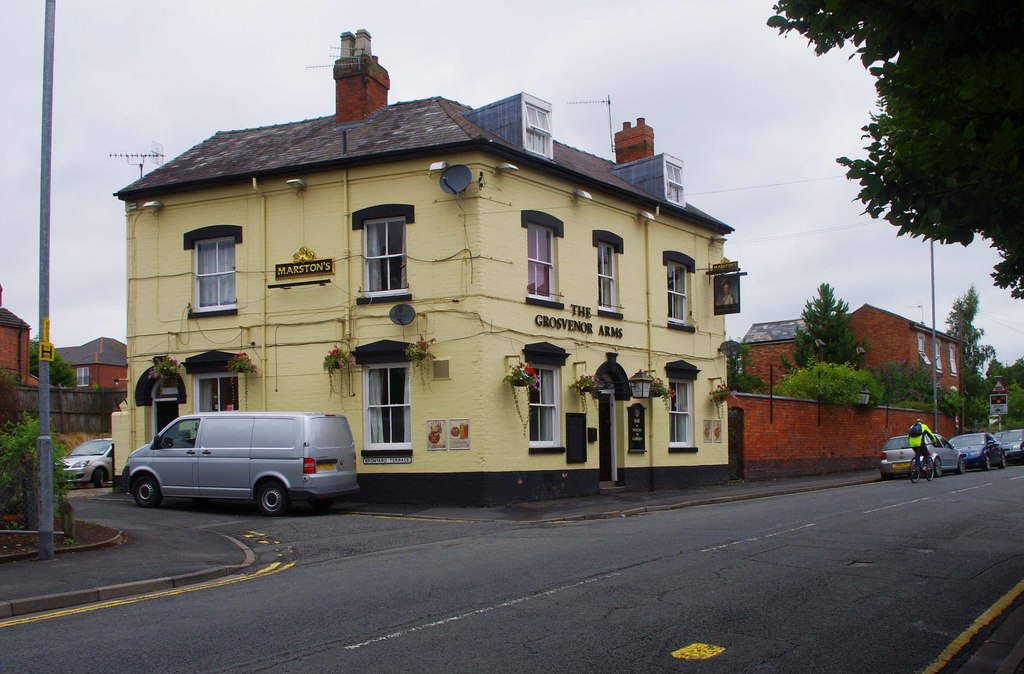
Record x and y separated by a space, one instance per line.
720 394
240 363
522 374
166 369
419 351
659 389
337 359
585 383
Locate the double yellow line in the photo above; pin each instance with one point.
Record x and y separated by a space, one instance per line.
268 570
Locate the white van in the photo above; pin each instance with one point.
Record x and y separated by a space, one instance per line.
270 457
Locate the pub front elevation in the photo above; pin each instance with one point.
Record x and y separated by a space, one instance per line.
482 302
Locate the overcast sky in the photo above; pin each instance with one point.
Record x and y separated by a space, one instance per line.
758 120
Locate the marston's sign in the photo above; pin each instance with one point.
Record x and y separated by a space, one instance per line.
304 263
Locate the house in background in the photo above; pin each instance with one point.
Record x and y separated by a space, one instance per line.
400 263
14 344
101 363
889 338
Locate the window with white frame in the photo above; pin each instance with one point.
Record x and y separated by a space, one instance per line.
216 392
82 376
938 357
606 293
676 293
388 412
952 359
215 274
541 266
384 246
680 433
920 350
674 183
544 409
537 136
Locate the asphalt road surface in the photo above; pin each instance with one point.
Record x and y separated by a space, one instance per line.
873 578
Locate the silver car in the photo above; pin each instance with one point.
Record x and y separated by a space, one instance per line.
897 454
91 461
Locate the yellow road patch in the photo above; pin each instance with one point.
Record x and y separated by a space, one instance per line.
698 652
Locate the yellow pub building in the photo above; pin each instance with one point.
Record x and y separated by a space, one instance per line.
484 304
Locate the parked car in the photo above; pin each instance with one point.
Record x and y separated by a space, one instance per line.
897 454
1012 442
91 461
980 450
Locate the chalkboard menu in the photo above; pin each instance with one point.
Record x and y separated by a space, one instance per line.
637 428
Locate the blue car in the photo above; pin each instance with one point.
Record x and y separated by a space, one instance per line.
980 450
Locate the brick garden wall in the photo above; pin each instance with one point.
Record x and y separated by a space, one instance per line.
782 437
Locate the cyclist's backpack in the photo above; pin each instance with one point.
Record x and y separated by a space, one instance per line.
915 431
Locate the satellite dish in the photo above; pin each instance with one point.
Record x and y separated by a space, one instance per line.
455 179
402 314
730 348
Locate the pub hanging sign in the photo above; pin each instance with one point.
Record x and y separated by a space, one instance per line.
725 282
304 263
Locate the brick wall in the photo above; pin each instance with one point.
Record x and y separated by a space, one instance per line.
14 344
782 437
764 355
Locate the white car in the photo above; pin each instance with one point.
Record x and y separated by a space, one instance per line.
91 461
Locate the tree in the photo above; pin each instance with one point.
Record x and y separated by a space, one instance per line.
945 155
61 371
975 356
738 377
826 320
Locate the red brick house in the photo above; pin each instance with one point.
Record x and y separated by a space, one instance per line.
101 363
14 344
888 336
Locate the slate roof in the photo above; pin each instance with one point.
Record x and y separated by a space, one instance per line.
100 351
9 319
775 331
401 130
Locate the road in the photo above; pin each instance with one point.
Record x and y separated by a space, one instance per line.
831 581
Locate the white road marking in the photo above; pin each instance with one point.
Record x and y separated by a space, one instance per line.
894 505
756 538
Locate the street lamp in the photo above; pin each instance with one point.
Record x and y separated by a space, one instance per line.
640 384
865 396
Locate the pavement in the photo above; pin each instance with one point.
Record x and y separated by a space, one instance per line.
165 558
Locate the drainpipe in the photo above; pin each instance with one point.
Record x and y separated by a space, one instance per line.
649 366
263 327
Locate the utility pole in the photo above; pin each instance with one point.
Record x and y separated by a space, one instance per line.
44 443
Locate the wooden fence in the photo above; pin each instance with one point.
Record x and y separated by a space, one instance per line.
74 410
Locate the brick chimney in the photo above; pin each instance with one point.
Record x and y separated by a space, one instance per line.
634 143
360 83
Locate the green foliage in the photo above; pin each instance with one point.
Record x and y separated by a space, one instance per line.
62 373
976 355
904 384
834 383
826 319
737 375
18 453
8 399
944 153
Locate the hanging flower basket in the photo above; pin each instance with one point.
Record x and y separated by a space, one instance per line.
419 355
659 389
166 369
335 361
240 363
521 376
719 395
585 385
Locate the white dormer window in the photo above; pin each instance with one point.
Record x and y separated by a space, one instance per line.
674 183
537 120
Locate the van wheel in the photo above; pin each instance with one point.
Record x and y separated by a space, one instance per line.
321 503
146 492
99 476
272 499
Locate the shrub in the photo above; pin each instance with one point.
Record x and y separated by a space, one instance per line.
832 383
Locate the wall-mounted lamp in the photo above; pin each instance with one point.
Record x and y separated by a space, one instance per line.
153 205
582 194
646 215
865 396
132 206
439 166
506 167
297 184
640 384
719 238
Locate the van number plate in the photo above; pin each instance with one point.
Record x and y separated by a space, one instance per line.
326 466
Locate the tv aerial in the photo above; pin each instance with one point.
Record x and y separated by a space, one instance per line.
156 153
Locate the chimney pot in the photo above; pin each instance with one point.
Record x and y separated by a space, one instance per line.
360 84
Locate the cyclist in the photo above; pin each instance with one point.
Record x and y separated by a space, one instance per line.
915 438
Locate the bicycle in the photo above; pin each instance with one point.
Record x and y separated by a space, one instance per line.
916 467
